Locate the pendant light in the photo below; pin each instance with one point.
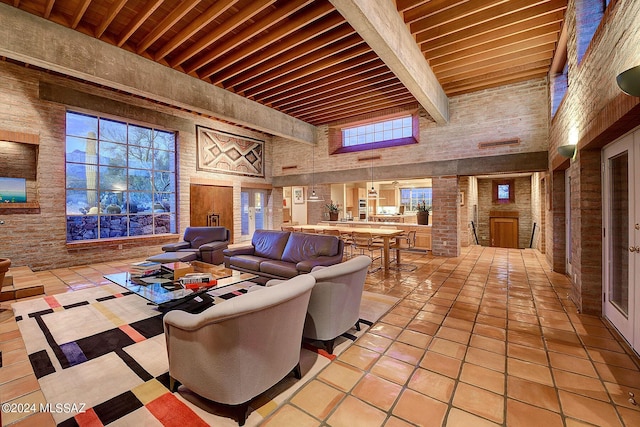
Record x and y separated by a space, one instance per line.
372 193
313 197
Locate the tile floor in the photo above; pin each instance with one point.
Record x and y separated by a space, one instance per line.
486 339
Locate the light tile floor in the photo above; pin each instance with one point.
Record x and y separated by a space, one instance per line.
489 338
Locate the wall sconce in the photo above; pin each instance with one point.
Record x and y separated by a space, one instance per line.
568 150
629 81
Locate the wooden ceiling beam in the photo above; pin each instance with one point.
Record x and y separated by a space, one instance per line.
369 110
498 63
203 19
271 20
359 107
496 79
79 13
532 28
47 8
458 16
138 20
342 82
467 27
495 70
113 11
309 81
496 50
237 20
335 97
357 99
325 58
340 38
425 11
169 21
404 5
287 36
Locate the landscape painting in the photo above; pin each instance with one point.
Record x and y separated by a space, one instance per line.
13 190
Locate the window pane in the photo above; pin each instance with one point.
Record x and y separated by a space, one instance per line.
77 175
164 160
164 141
140 157
113 178
140 202
164 223
81 150
503 191
141 136
164 182
139 180
113 131
82 228
113 226
113 154
140 225
82 125
82 202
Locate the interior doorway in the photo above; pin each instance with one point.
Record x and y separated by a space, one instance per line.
621 247
206 200
253 203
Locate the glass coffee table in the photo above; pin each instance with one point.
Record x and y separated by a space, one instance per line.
161 288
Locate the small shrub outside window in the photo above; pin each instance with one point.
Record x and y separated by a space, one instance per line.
121 179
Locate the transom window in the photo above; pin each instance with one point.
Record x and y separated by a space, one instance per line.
120 179
398 128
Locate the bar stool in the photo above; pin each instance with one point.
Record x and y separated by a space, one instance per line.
363 241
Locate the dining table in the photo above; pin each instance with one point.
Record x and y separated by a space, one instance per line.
386 234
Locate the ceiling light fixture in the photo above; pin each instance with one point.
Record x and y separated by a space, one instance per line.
372 193
313 197
629 81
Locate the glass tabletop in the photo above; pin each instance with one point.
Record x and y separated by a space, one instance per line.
160 288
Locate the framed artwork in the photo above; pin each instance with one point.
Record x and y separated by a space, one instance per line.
227 153
13 190
298 195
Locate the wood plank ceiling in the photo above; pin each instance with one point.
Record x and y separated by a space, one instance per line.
302 58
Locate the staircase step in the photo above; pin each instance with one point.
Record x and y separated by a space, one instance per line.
20 282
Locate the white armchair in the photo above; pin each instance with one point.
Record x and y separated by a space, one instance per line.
334 307
236 350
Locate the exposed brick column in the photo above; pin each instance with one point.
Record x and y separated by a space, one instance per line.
556 254
587 256
446 213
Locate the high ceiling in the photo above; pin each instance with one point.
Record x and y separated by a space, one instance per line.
302 58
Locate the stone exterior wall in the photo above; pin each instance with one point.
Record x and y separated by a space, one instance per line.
597 111
38 237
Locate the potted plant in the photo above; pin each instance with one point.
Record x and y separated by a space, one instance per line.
333 210
422 214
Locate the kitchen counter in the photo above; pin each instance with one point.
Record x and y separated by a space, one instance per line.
423 232
409 218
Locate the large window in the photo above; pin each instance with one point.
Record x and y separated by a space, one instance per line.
121 179
410 197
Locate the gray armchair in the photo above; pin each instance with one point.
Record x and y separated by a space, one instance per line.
334 307
207 243
236 350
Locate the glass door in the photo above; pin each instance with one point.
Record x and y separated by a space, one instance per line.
622 237
252 204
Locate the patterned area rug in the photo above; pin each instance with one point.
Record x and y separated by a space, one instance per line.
100 358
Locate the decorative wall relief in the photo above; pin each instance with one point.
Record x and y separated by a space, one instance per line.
228 153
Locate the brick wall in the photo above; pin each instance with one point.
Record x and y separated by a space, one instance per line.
42 234
599 113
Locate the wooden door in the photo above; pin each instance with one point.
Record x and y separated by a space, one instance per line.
504 232
208 199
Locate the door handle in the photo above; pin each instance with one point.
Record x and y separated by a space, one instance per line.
634 249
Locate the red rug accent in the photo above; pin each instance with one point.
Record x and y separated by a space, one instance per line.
133 334
52 301
171 412
88 419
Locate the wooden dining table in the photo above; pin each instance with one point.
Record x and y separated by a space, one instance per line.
386 234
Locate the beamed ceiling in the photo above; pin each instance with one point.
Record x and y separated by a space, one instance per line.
303 58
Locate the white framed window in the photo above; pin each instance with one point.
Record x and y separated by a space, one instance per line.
387 130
